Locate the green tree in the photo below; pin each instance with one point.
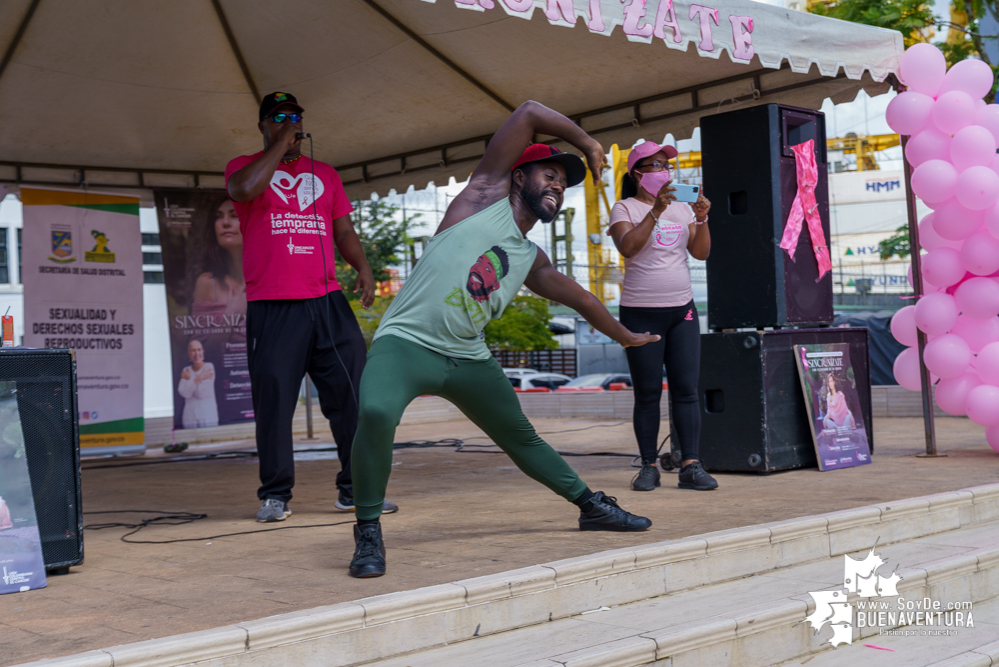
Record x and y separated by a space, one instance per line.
370 318
896 244
384 236
523 326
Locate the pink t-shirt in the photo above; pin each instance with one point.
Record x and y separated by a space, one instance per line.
657 276
281 230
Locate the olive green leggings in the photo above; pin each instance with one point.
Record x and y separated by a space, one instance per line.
398 371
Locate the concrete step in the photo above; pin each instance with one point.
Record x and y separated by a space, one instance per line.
734 597
753 621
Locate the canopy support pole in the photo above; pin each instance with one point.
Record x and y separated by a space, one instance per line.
234 45
925 381
18 35
437 54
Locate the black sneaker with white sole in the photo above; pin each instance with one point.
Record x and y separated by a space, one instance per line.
369 551
647 478
345 503
693 476
606 514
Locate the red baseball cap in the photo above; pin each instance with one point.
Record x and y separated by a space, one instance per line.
647 149
575 170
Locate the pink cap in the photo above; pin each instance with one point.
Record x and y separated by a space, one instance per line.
646 149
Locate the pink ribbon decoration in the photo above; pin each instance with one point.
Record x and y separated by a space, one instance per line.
805 207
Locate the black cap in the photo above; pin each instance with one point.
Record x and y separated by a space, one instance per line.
575 169
272 101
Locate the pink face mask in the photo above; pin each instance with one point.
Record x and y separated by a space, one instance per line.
653 181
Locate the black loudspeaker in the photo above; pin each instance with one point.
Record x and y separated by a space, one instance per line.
749 175
752 407
46 402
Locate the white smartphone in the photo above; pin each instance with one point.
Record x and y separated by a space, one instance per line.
686 193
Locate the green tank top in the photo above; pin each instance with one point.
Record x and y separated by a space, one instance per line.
466 277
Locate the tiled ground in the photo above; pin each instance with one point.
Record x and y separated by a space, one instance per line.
463 515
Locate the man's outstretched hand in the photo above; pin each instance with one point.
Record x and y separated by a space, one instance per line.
638 339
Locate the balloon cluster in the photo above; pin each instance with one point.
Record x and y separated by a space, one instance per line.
953 136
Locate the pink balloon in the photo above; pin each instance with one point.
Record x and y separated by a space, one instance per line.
953 110
992 437
980 254
906 369
943 267
977 333
927 287
948 356
977 188
987 364
978 298
909 112
954 222
973 77
929 239
973 146
936 313
935 181
988 117
903 325
951 395
923 68
930 144
983 405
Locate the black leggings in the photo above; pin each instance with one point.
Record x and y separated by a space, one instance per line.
679 347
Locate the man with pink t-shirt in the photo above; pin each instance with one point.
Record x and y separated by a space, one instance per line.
292 213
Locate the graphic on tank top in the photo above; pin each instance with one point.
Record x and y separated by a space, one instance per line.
666 234
483 279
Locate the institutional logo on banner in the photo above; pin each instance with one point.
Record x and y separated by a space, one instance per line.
206 303
92 306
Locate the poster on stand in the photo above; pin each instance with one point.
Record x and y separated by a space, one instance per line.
834 409
82 273
206 307
22 566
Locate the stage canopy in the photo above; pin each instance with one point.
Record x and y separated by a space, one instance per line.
397 92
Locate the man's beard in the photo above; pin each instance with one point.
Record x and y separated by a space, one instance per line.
535 202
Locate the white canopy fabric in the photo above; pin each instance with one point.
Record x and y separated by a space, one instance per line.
396 92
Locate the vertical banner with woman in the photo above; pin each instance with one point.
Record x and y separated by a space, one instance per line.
206 304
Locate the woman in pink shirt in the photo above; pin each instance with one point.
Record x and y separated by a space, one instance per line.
654 233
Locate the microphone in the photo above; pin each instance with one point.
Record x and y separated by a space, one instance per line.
303 135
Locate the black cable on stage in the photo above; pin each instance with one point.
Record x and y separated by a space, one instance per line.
179 519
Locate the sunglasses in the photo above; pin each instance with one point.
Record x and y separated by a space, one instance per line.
282 117
655 166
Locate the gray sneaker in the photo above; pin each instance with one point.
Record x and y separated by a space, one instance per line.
273 510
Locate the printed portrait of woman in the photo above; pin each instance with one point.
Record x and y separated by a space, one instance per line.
197 386
5 521
837 414
220 288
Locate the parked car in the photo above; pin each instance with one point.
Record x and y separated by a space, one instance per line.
550 380
519 372
596 382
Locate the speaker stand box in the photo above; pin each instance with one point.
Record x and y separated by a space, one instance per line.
753 411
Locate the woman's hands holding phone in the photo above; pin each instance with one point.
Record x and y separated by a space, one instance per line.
701 207
663 199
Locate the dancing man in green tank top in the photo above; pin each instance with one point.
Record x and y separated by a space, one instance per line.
431 338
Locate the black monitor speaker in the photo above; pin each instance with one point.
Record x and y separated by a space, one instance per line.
749 175
46 402
753 414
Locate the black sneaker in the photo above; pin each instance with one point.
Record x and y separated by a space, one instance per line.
345 503
647 478
607 515
693 476
369 552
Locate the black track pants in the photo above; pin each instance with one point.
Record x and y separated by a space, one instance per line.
679 348
286 339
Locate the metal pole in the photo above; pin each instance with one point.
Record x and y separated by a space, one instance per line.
308 407
917 287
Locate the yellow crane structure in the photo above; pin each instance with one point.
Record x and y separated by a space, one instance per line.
605 273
